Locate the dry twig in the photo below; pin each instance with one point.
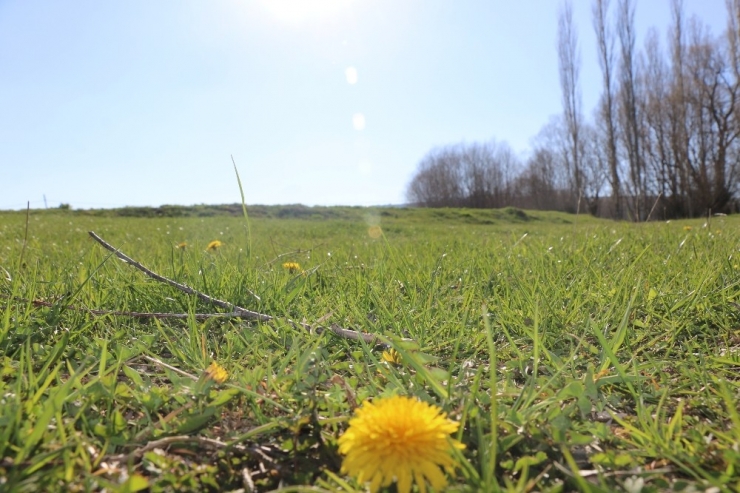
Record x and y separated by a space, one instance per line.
165 442
170 367
236 311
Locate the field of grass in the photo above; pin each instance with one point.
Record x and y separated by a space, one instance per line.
575 353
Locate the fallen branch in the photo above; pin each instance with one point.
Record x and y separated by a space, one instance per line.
170 367
258 452
165 442
586 473
235 311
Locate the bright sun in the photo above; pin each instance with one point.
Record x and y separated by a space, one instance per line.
305 11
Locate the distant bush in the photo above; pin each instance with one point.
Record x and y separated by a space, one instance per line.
515 213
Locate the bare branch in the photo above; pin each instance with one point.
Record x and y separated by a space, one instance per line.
170 367
182 287
164 442
237 311
569 65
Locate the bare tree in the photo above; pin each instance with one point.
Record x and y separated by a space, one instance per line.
606 110
547 177
733 39
714 94
666 129
628 106
569 65
464 175
681 201
660 176
437 181
536 187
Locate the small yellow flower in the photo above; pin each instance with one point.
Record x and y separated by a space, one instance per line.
214 245
392 356
292 267
399 439
182 245
217 373
687 228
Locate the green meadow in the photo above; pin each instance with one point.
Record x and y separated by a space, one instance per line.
577 354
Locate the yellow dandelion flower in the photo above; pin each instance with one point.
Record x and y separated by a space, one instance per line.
392 356
292 267
687 228
214 245
217 372
182 245
399 439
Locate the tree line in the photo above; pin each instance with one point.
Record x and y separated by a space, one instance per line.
661 143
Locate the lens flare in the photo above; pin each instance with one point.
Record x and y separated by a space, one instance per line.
358 121
350 73
374 232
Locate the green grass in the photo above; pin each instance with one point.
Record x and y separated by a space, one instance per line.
577 354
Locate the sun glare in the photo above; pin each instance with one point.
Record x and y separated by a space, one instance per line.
358 121
305 11
350 74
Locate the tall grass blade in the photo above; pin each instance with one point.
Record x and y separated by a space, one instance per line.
244 210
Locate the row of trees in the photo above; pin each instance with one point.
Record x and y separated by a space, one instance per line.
662 142
465 175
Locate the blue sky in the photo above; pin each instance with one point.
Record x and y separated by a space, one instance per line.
321 102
